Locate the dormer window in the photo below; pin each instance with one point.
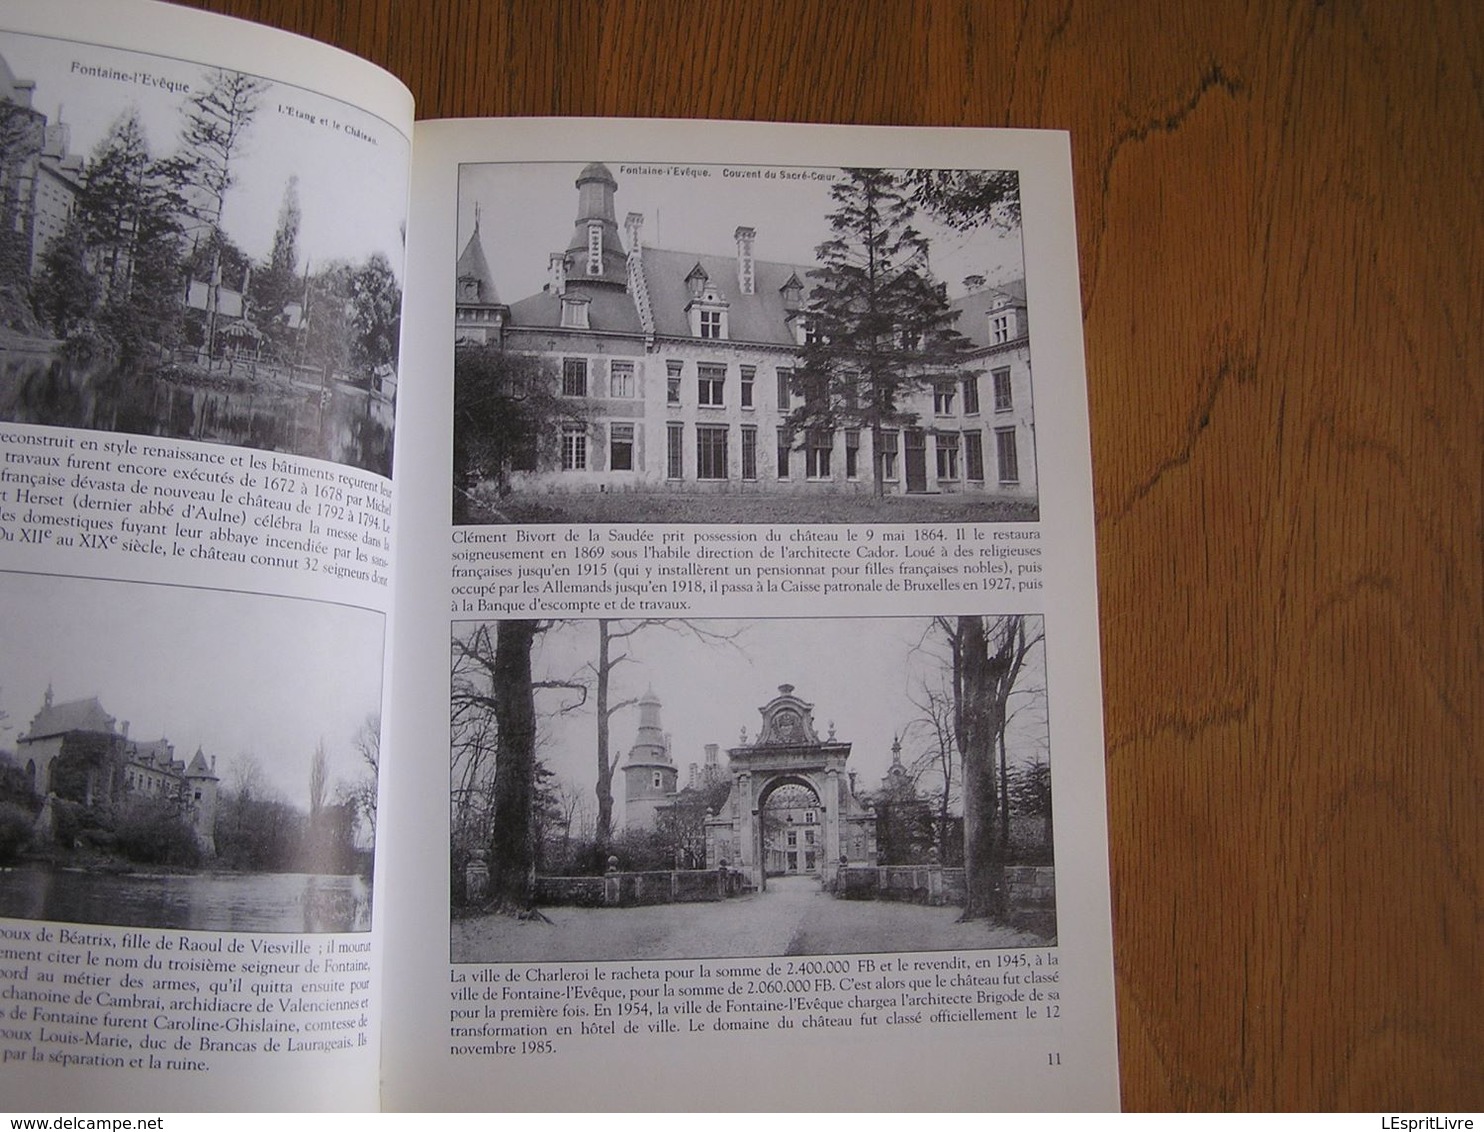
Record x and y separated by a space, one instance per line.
594 248
707 311
696 281
574 313
1002 326
793 293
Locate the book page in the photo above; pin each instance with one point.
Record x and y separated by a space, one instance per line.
750 648
198 379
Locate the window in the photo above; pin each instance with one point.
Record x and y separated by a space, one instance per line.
658 782
574 313
711 324
749 452
808 837
785 446
999 328
1004 399
621 447
574 377
947 447
749 377
674 451
672 384
888 455
850 390
812 337
974 455
809 817
817 454
793 837
852 453
574 449
971 394
785 383
594 248
943 398
1009 461
621 380
710 385
711 452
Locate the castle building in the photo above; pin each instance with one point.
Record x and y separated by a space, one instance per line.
782 803
792 806
649 774
40 178
680 367
75 750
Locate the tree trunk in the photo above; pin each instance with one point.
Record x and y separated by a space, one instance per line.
605 768
1004 799
512 847
982 719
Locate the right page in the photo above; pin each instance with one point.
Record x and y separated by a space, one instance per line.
746 626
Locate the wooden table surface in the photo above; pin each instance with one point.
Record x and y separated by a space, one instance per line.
1279 220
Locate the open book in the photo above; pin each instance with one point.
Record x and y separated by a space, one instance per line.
507 614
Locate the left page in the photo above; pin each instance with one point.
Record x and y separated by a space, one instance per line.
200 299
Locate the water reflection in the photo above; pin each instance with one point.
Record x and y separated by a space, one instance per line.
244 902
338 422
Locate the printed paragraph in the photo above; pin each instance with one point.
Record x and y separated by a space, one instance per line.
176 1001
640 570
199 503
520 1010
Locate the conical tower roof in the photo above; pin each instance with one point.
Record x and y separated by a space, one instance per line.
473 265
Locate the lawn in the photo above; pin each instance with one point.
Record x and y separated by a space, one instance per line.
679 507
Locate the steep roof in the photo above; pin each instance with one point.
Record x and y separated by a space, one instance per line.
974 310
199 767
473 265
608 309
758 317
73 715
159 753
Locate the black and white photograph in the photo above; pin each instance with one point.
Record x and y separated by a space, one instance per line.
641 342
656 789
180 257
181 758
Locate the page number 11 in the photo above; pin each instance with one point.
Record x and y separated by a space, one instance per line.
1053 1058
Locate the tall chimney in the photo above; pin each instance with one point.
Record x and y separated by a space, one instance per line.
558 267
746 276
633 224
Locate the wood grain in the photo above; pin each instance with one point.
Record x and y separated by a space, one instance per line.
1279 225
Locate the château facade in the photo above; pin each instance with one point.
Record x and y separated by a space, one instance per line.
790 804
680 370
75 750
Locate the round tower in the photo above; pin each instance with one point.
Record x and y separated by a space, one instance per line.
651 778
595 253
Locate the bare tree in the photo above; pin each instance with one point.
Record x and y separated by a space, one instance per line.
988 655
938 759
367 744
495 766
614 643
319 781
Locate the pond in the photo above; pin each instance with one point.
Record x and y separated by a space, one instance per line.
223 902
338 422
